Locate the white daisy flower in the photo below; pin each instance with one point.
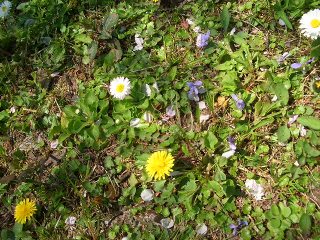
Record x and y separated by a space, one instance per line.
310 24
5 9
120 87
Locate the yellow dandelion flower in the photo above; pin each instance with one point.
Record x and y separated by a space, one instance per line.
159 165
24 210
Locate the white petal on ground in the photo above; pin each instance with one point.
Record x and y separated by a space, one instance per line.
125 238
204 117
155 86
147 90
292 119
233 30
202 229
54 144
202 105
139 42
229 154
135 122
197 29
281 22
167 223
12 110
147 195
303 131
147 117
274 99
70 220
254 188
189 21
170 111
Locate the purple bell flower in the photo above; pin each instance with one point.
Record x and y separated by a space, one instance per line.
195 89
235 228
239 102
203 39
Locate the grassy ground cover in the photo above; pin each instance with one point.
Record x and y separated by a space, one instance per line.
159 120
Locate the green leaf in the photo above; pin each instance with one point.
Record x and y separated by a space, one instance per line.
275 210
275 223
110 21
315 48
285 211
83 38
310 122
283 134
284 17
17 229
7 234
75 126
172 74
305 224
310 151
210 140
282 93
95 131
225 18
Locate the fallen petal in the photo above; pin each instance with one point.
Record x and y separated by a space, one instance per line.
70 220
229 154
147 195
54 144
167 223
296 65
204 117
135 122
202 229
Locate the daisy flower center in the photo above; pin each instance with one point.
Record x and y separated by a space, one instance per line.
318 84
4 8
315 23
120 88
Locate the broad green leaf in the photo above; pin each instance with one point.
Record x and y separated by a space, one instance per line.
83 38
305 224
225 18
275 210
210 140
172 73
285 211
315 48
282 93
283 134
110 22
310 122
275 223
